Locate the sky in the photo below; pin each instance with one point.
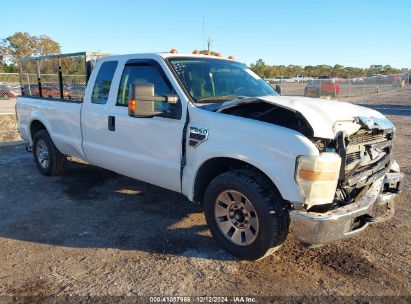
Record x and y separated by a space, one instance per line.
351 33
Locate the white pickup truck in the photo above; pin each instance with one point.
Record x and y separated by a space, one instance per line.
213 130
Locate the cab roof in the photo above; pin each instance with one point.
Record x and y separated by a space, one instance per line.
158 55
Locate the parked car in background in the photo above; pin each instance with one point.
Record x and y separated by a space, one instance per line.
7 92
302 78
358 80
288 79
374 75
49 90
337 79
324 77
322 87
280 79
399 81
75 91
333 78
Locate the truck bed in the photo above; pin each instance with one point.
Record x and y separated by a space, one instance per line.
63 122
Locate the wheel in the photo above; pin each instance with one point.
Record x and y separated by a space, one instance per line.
48 159
245 215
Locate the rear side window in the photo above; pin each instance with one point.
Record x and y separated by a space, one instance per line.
142 73
102 85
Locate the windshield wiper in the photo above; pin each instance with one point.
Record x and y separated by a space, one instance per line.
219 98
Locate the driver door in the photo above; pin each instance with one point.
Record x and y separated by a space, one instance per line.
144 148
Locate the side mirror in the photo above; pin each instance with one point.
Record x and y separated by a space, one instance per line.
145 104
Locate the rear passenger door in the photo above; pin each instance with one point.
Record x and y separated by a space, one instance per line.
95 115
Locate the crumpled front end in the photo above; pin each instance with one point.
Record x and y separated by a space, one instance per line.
353 179
369 179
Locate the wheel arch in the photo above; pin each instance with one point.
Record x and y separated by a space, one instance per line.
215 166
35 126
37 121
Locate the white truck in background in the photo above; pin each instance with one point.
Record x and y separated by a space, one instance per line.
213 130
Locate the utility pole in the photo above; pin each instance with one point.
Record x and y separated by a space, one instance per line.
209 40
209 43
203 40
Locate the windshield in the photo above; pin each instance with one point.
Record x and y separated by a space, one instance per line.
210 80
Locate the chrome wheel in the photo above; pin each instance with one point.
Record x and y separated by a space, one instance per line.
236 217
42 153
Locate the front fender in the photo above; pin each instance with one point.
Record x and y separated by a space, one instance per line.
270 148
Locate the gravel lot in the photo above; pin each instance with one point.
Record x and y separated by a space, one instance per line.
92 232
7 106
8 128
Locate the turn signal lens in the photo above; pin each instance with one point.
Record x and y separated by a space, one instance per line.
317 177
131 105
197 52
173 51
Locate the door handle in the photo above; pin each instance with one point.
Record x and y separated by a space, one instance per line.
112 123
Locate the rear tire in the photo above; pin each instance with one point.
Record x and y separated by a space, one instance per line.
49 160
246 216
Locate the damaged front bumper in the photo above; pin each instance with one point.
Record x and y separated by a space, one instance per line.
314 228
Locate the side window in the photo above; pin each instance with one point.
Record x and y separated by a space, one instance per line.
102 84
142 73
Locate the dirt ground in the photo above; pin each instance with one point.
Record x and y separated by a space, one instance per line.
8 128
93 233
7 106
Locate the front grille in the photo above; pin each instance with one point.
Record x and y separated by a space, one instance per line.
367 157
352 157
364 136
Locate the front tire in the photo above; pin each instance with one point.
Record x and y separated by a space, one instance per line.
246 216
49 160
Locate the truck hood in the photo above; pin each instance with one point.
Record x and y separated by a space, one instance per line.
326 117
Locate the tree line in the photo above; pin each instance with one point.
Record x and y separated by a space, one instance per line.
23 44
269 71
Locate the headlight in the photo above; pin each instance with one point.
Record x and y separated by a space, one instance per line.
317 177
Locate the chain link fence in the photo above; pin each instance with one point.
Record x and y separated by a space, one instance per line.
9 85
340 88
74 71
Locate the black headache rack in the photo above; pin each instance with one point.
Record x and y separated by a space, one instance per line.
61 77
